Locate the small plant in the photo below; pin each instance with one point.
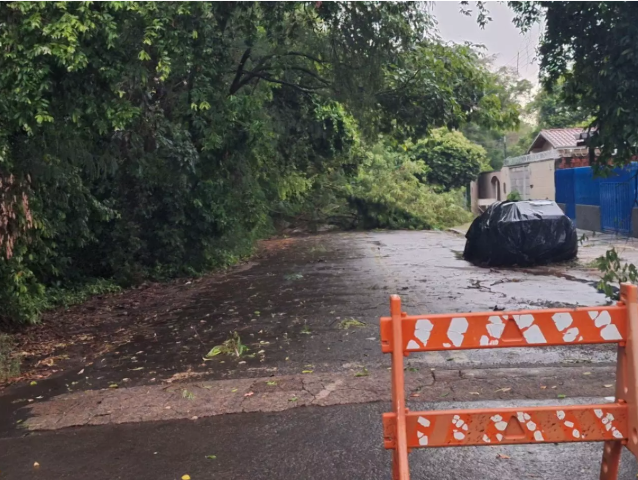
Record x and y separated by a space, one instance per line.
188 395
233 347
614 273
9 363
351 323
514 196
305 330
583 238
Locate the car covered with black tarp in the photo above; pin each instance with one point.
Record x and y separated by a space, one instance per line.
521 233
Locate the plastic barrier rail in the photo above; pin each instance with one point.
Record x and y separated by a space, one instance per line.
616 423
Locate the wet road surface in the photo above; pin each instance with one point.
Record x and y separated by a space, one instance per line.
331 443
292 310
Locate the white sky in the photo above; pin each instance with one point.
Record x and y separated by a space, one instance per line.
500 36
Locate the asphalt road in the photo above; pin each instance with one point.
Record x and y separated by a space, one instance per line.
332 443
291 307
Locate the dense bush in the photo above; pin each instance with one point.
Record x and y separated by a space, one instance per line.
151 139
387 193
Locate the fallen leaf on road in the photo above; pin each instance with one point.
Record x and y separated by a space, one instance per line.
474 393
234 390
33 383
414 395
136 369
249 394
211 457
560 395
507 389
362 373
503 456
270 384
307 371
608 386
186 477
36 465
543 387
81 372
113 385
293 399
553 386
586 373
445 394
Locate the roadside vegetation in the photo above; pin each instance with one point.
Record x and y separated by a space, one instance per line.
152 140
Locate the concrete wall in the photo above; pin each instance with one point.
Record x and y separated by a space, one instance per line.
588 217
506 183
489 185
474 198
537 183
541 181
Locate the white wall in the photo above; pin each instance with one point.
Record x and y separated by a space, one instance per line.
534 181
542 181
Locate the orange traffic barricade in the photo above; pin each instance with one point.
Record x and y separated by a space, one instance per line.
613 423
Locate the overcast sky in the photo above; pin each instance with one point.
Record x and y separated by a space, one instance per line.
500 36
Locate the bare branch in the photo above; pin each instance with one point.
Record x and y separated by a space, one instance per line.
312 74
240 70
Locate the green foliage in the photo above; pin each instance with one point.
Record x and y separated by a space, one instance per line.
587 53
232 346
452 160
553 111
614 272
501 141
150 140
9 362
67 296
514 196
387 193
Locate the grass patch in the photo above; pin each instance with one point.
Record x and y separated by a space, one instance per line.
348 323
67 296
9 363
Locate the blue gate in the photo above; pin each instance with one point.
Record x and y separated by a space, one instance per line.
616 204
564 184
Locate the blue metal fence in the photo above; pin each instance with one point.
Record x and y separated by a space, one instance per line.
565 190
586 187
615 194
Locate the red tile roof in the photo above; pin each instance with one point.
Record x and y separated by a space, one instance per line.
559 137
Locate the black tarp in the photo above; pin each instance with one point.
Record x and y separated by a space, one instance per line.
521 233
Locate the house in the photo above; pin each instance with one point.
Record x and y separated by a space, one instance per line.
532 174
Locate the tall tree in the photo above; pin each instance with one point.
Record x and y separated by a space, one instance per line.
588 50
146 139
500 142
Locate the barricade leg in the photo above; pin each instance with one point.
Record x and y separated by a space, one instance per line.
625 382
400 469
612 450
611 461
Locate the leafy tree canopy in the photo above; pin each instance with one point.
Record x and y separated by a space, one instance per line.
144 139
588 51
552 110
452 161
